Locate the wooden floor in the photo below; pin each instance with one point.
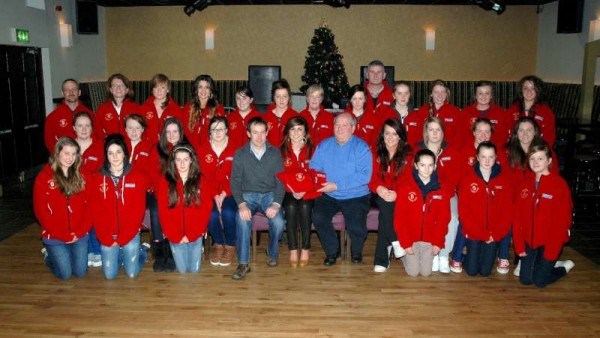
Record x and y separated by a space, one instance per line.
344 300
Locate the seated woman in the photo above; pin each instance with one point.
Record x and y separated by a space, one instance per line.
485 209
391 158
184 206
421 215
542 221
60 205
118 202
216 157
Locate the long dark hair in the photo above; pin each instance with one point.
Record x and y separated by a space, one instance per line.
161 79
355 89
517 157
163 145
73 182
538 86
291 123
119 140
196 105
399 157
191 187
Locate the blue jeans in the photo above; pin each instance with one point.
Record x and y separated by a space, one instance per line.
459 243
504 245
355 212
152 205
257 201
225 233
93 244
535 269
66 260
480 257
187 256
132 256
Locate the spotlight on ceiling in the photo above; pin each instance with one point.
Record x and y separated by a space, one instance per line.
497 6
195 5
334 3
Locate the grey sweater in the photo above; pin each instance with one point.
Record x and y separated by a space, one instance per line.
248 174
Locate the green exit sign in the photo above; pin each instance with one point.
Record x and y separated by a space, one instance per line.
21 35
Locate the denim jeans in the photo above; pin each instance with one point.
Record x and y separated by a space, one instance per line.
459 243
480 257
257 201
385 231
66 260
93 243
188 256
132 256
535 269
504 245
355 212
222 225
152 205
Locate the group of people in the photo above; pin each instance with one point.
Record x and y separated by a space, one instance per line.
452 187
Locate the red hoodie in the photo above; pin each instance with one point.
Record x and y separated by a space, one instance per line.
93 158
413 124
385 97
418 220
543 215
368 126
140 155
199 134
276 125
108 121
293 163
485 209
541 113
59 123
496 115
117 212
238 127
321 127
154 122
455 123
180 220
448 165
62 218
217 169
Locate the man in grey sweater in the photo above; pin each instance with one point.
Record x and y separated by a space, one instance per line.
255 187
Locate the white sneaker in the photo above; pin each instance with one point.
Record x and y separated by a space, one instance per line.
568 265
444 264
436 264
399 252
44 252
90 259
97 261
517 270
379 268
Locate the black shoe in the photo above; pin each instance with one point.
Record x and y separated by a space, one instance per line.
357 258
169 265
240 272
330 260
159 257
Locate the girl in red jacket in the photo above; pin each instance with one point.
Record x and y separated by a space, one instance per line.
117 197
184 208
484 107
296 152
531 104
319 120
368 123
238 119
421 215
111 114
139 149
60 205
485 209
202 107
158 107
279 112
391 158
92 157
402 109
216 157
542 221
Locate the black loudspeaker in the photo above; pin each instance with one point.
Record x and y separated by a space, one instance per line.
570 14
260 80
87 17
389 75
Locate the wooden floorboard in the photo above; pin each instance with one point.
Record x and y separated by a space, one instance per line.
343 301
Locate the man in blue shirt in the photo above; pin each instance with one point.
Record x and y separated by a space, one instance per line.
347 162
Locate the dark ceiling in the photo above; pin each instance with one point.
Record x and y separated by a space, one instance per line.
125 3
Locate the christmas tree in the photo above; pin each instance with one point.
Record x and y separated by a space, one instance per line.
324 66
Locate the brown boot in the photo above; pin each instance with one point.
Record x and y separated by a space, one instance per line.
215 254
227 256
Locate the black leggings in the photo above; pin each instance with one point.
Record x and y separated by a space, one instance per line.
298 213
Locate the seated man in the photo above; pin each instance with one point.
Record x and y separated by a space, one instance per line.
347 162
255 187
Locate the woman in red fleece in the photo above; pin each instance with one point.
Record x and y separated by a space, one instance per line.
111 114
484 107
320 121
139 149
279 112
158 107
542 221
368 123
117 197
403 110
202 107
60 205
485 209
531 104
421 215
238 119
184 208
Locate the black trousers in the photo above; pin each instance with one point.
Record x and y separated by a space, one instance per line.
385 231
298 214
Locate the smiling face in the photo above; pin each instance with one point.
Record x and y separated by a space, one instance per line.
390 138
314 100
439 94
204 90
539 162
118 89
343 128
173 133
258 134
67 156
243 102
526 133
134 130
483 95
529 92
297 133
83 127
483 132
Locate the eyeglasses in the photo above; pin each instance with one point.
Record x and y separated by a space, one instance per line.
218 130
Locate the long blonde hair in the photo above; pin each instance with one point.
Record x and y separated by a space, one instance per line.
74 182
